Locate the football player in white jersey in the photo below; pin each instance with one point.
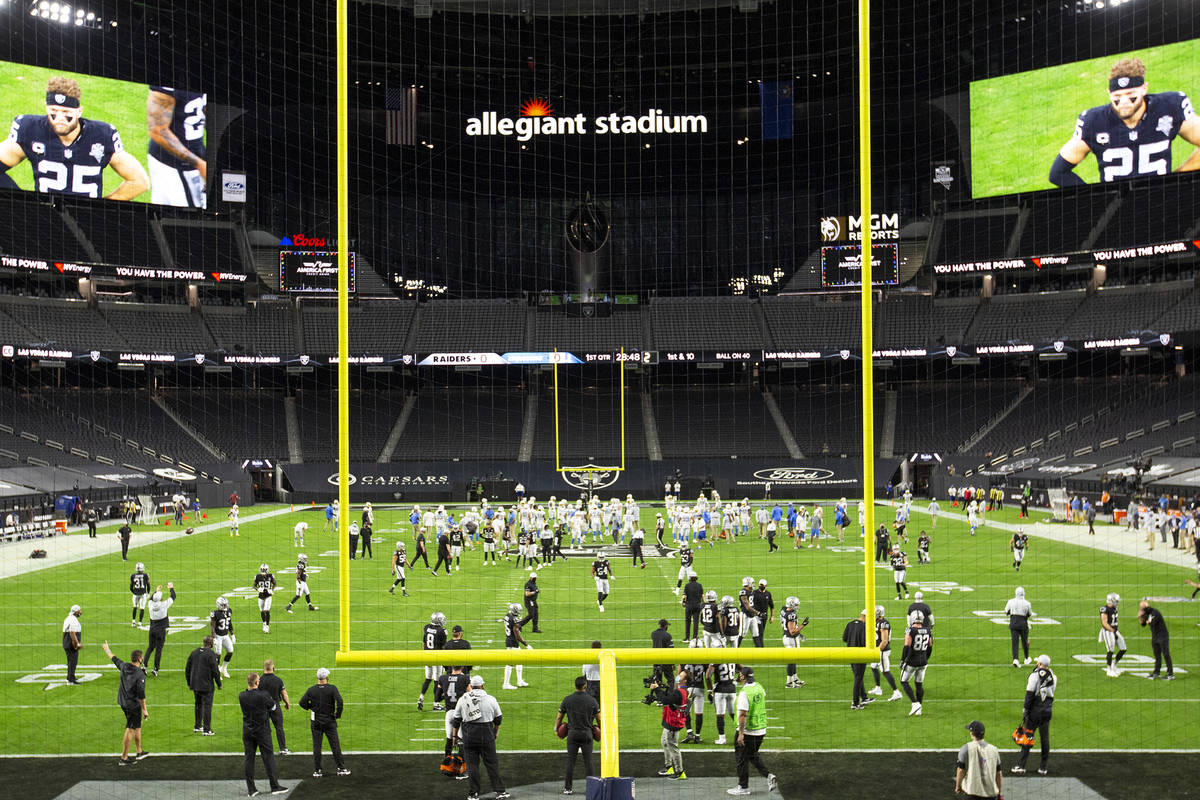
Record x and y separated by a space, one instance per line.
234 514
298 533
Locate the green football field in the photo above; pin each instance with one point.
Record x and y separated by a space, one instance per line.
1019 122
967 583
121 104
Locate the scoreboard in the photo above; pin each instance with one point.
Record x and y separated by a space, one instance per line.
311 271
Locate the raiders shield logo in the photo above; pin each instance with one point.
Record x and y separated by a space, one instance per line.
60 99
407 359
95 355
1058 347
590 478
951 350
304 360
199 358
845 354
1164 339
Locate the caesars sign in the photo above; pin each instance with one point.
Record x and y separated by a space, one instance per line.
390 480
849 228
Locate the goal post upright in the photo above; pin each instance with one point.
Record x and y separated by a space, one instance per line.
343 318
868 362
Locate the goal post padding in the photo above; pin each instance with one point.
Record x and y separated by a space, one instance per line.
609 659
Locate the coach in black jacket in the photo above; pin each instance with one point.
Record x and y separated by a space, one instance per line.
202 673
324 701
256 733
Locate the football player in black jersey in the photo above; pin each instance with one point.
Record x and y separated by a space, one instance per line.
264 584
399 559
1131 135
686 558
923 542
749 622
513 641
68 153
220 624
139 588
883 640
602 572
456 546
695 701
918 647
712 621
1018 543
433 637
732 621
792 636
301 584
175 120
452 686
899 561
723 679
1110 634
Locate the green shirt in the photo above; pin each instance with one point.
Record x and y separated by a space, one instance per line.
753 700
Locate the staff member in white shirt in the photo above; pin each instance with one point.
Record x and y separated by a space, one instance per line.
72 641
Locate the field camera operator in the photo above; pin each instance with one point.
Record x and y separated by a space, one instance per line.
674 719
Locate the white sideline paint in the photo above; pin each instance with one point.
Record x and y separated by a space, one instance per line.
15 560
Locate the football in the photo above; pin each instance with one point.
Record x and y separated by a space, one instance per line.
561 730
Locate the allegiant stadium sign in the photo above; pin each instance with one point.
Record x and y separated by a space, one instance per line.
524 128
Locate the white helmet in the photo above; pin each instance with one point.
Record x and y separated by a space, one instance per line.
747 581
222 603
1113 599
917 617
438 618
401 546
602 557
140 567
727 601
263 568
879 612
302 557
514 608
710 596
792 602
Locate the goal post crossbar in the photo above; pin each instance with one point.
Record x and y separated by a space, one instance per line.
609 659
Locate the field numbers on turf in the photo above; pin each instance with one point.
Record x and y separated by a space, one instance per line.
55 675
844 549
1000 618
292 570
1131 663
941 587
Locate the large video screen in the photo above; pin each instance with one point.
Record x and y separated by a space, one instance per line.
1128 115
311 271
841 265
86 136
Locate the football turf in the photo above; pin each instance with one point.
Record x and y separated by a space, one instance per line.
1019 122
967 583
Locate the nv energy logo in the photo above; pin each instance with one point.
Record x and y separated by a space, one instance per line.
537 119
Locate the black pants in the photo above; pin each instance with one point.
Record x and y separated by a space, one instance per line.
664 674
277 721
1162 650
421 555
366 546
636 547
329 731
480 745
91 530
746 755
443 558
157 640
124 548
860 691
691 622
353 544
1041 723
262 743
578 742
531 614
547 550
881 549
204 703
72 662
1019 636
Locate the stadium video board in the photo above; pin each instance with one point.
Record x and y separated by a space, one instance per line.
841 265
86 136
311 271
1128 115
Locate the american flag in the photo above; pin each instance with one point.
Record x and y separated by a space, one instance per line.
400 109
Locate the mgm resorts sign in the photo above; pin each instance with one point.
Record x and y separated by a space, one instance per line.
849 228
